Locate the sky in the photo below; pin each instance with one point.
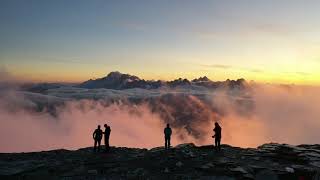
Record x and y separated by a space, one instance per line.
274 41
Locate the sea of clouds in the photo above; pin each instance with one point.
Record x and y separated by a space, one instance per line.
66 117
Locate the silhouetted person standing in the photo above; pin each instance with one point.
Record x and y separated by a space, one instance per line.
107 132
97 136
167 136
217 136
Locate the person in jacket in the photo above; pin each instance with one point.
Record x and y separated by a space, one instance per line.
106 133
97 137
167 136
217 136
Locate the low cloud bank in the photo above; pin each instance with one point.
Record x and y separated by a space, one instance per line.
268 114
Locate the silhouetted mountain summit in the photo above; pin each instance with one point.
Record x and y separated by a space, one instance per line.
116 76
117 80
201 79
179 82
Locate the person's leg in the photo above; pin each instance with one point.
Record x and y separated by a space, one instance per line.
107 144
219 143
95 145
165 142
99 144
216 143
169 144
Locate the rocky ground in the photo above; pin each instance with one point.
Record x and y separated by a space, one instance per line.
185 161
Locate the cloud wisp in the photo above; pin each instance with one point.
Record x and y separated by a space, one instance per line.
227 67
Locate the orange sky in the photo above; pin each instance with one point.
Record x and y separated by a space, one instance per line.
265 41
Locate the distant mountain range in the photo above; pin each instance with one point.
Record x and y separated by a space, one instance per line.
119 81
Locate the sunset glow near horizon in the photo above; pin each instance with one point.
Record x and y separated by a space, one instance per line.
72 41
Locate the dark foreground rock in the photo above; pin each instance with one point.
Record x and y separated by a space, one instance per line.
185 161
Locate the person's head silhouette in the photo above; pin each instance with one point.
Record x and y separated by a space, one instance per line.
168 125
216 124
98 126
105 125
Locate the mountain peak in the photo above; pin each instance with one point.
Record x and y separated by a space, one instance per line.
114 80
201 79
118 76
114 74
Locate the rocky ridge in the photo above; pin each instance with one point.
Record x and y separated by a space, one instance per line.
185 161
